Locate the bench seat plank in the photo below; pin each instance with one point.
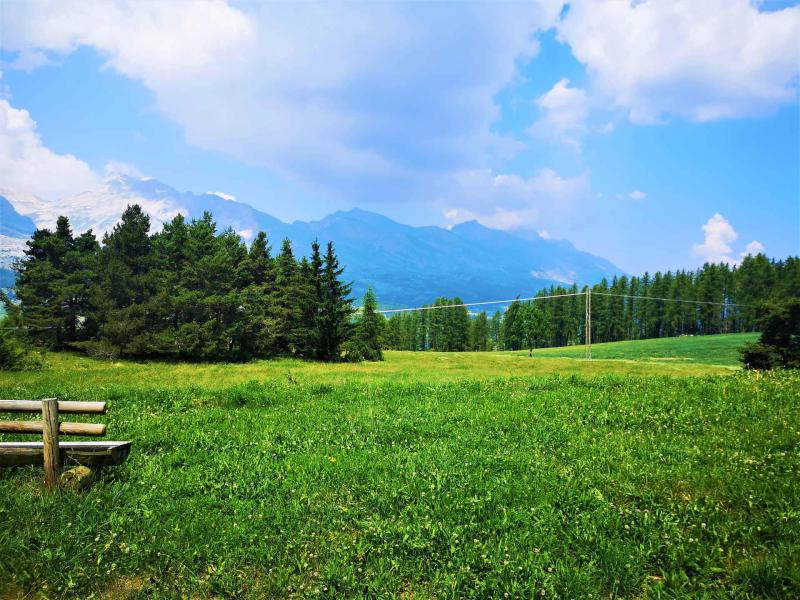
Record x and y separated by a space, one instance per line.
97 454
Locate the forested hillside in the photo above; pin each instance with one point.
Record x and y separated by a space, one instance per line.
717 298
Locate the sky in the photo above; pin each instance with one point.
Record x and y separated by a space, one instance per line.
656 134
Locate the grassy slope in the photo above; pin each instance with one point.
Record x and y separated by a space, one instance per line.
422 476
709 349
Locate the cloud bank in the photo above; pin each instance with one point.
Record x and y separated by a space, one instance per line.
350 98
700 60
509 201
392 102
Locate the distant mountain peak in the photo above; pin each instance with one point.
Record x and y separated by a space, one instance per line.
471 225
407 265
358 215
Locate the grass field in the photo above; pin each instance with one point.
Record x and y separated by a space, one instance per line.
429 475
709 349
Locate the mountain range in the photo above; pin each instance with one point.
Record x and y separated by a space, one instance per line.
407 265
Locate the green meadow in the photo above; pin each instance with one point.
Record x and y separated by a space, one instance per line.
707 349
657 470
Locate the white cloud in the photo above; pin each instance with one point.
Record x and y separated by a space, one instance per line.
346 96
565 113
27 165
753 248
718 235
123 168
28 60
145 40
507 201
607 127
633 195
701 60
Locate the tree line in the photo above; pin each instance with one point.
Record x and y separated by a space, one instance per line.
186 292
626 308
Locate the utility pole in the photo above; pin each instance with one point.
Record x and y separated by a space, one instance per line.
588 326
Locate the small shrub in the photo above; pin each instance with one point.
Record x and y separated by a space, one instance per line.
14 356
779 345
357 350
760 357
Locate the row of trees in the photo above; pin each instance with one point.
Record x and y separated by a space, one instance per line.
442 326
186 292
717 298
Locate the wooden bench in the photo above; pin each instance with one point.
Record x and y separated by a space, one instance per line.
49 452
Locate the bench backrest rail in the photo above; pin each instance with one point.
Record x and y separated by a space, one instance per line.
64 406
50 428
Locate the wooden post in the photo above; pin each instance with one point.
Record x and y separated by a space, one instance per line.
588 323
51 456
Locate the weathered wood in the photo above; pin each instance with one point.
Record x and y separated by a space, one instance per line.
64 428
90 454
51 456
64 406
77 478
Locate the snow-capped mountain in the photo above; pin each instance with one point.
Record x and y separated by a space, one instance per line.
100 208
406 265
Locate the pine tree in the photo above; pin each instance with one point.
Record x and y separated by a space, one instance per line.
512 327
533 325
259 262
284 307
479 333
369 327
495 330
457 324
316 299
259 326
54 285
333 323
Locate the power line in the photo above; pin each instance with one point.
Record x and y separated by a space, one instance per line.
399 310
584 293
669 299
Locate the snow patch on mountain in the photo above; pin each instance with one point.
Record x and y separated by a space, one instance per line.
11 248
223 195
567 278
100 208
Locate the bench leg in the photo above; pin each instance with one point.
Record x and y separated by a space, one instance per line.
51 455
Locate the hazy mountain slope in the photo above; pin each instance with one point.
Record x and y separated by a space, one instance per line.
412 265
407 265
13 224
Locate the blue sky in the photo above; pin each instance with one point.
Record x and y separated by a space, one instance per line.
655 134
